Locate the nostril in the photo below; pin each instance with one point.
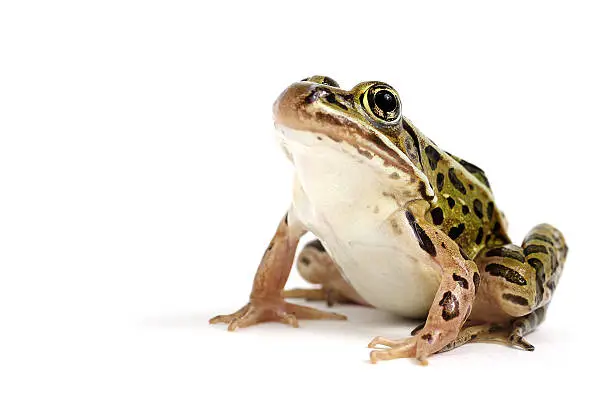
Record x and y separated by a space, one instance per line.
315 94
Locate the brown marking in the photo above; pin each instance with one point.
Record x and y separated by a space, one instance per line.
365 153
396 228
461 281
518 300
496 328
506 252
508 274
316 244
450 306
425 242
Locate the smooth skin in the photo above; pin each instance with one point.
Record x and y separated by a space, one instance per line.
379 194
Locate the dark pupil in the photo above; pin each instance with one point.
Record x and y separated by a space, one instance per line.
385 101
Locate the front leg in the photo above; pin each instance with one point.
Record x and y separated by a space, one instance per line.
452 303
266 301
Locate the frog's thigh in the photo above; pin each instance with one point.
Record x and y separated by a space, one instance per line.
517 283
316 266
518 280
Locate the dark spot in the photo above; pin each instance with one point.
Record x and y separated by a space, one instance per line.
471 186
314 95
396 228
440 181
424 241
506 253
427 337
319 138
433 156
473 336
415 139
443 245
455 181
461 281
316 244
423 191
551 285
418 328
270 246
437 215
490 210
394 176
476 279
476 171
496 228
478 239
331 98
478 208
495 328
305 260
535 249
519 300
348 99
538 266
554 264
451 202
540 237
330 82
450 306
456 231
508 274
465 209
286 219
365 153
463 254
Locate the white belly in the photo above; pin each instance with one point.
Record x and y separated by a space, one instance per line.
341 201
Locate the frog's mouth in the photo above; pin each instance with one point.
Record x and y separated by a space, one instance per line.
300 125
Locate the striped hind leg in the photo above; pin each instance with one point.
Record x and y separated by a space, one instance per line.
517 283
511 333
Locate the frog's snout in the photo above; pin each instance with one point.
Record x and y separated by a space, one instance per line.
292 101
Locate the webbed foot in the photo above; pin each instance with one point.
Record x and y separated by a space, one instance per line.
258 311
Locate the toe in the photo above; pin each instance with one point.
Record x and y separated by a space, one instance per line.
404 351
519 341
382 341
290 320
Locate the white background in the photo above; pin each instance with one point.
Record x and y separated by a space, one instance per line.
140 182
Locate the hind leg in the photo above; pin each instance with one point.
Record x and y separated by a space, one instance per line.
511 333
317 267
517 284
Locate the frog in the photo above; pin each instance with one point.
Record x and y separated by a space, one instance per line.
401 225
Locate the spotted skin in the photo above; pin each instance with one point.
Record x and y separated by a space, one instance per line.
449 211
453 302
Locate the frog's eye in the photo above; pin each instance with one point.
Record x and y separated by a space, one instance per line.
320 79
382 102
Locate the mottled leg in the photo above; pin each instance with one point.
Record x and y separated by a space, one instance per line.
453 300
266 301
317 267
518 282
511 333
525 325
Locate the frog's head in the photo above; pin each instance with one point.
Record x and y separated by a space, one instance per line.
365 122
